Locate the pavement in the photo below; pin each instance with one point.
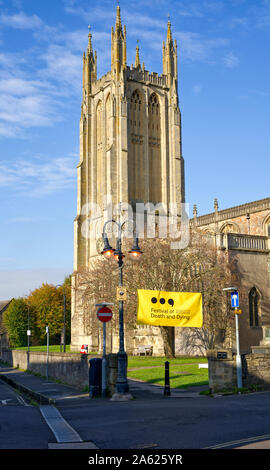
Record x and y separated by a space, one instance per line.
48 394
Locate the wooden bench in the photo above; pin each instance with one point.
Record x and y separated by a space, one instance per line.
145 350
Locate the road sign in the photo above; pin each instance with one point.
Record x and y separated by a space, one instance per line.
84 349
121 293
237 311
104 314
234 299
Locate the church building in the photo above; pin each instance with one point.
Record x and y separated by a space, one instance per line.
130 145
130 153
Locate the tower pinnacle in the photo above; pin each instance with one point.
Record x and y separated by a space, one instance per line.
170 56
118 25
89 49
137 59
118 47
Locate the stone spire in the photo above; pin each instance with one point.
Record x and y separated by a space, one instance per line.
118 47
169 52
90 48
118 25
89 65
137 59
169 32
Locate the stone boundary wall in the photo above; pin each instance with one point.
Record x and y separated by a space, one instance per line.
222 370
69 368
256 370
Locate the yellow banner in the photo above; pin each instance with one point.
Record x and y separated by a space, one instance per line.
160 308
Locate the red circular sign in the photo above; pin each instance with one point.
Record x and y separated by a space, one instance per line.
104 314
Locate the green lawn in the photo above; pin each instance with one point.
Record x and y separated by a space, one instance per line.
52 348
141 361
184 371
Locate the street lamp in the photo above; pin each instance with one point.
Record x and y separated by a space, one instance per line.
121 385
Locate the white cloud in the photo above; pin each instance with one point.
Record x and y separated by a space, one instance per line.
259 92
21 220
197 89
230 60
25 101
36 180
194 47
63 66
21 21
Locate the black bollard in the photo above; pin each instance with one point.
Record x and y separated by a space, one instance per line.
95 377
167 390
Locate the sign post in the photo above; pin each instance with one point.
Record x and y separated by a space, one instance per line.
238 356
47 364
237 311
104 314
234 299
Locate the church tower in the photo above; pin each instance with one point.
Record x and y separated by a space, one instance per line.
130 148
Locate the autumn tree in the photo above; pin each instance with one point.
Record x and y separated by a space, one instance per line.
197 268
48 304
16 321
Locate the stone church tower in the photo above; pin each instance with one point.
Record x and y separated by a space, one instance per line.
130 147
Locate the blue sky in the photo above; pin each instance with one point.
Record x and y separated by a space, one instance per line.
224 95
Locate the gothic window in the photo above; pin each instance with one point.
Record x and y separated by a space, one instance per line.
154 150
108 122
99 151
230 228
136 154
254 307
267 227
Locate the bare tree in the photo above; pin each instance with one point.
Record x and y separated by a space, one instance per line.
197 268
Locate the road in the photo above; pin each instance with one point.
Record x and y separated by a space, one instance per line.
149 422
21 423
171 423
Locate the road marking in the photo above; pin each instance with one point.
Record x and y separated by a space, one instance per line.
61 429
4 402
21 400
240 441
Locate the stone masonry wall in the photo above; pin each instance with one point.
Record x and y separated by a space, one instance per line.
222 370
72 369
256 370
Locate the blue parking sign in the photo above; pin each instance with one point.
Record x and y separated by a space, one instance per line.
234 299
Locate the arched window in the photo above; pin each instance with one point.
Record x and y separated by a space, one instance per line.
108 122
136 161
154 150
230 228
254 300
267 227
99 154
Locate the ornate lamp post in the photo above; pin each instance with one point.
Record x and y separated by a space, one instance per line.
121 385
